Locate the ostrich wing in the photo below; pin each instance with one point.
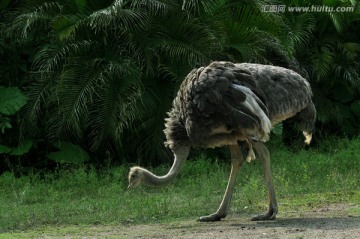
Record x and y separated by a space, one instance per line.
286 93
220 99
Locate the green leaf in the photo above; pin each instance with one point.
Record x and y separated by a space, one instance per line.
323 63
4 149
11 100
4 123
69 153
65 26
22 148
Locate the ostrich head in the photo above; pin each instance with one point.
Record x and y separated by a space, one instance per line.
136 177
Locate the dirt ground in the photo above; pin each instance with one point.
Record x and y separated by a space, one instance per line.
331 221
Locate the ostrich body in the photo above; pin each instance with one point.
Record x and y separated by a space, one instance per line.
224 104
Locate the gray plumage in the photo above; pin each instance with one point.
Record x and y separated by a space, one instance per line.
226 102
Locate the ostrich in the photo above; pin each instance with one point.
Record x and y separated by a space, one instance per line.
233 104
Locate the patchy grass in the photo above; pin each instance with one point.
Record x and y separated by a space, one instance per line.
82 197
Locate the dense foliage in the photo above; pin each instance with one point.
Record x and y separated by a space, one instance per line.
96 78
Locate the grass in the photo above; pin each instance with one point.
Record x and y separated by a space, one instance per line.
84 197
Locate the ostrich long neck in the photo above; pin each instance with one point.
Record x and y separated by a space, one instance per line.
180 158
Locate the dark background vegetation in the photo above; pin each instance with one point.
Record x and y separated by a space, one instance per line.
91 81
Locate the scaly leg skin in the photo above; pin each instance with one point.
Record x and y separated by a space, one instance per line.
264 155
236 162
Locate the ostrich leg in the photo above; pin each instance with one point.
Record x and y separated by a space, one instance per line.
264 155
236 162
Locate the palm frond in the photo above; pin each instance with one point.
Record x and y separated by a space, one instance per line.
115 105
34 19
250 33
300 29
198 7
155 7
118 16
52 56
76 96
148 129
65 25
38 94
183 38
322 63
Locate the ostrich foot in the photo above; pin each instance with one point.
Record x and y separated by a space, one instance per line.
211 218
270 215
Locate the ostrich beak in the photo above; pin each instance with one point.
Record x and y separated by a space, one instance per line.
132 185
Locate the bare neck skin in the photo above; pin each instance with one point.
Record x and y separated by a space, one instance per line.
153 180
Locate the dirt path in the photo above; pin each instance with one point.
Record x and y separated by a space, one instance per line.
332 221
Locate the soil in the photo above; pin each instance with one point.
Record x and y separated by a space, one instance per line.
330 221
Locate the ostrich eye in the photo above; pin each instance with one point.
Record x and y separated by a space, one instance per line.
133 176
